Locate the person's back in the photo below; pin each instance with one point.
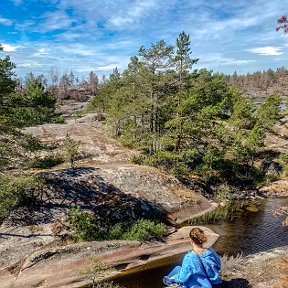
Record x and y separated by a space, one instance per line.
198 272
200 267
212 265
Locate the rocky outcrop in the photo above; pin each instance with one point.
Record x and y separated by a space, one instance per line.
276 189
277 141
114 193
71 265
104 183
260 270
96 147
76 265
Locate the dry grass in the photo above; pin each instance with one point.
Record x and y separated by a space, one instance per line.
258 271
282 271
93 266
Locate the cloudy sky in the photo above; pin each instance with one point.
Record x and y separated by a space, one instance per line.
98 35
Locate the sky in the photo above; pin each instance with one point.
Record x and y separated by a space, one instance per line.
99 35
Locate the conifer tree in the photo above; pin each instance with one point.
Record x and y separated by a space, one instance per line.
183 60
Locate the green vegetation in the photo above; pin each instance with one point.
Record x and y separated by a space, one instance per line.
85 228
46 162
226 213
187 123
20 106
95 267
106 285
16 191
71 149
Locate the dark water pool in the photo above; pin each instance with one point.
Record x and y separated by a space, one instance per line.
250 232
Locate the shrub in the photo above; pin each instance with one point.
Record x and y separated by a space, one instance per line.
95 267
106 285
180 171
82 225
178 164
46 162
145 230
137 160
115 232
283 160
85 229
59 120
14 191
71 149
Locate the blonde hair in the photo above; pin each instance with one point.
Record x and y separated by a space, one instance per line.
197 236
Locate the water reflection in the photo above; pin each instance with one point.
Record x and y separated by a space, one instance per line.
250 232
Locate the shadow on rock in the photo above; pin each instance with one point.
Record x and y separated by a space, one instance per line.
235 283
84 188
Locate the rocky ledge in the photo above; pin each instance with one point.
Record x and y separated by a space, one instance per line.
113 192
76 265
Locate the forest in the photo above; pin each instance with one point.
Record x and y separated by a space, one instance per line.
191 123
194 124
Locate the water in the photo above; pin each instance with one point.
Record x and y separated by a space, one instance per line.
250 232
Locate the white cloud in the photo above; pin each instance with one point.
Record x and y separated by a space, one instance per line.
5 21
78 48
137 11
24 65
99 35
30 64
219 59
54 21
9 48
267 51
108 67
17 2
43 51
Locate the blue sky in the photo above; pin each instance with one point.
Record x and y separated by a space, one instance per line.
94 35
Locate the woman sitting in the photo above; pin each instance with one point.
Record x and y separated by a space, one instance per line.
201 266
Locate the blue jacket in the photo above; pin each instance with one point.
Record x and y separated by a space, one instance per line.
192 274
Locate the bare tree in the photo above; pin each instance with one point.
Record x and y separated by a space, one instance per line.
282 24
93 82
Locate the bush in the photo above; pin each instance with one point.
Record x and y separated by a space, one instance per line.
82 225
106 285
116 232
283 160
85 229
14 191
71 149
180 171
46 162
178 164
58 120
137 160
145 230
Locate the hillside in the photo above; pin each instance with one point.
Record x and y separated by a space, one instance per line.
259 85
103 182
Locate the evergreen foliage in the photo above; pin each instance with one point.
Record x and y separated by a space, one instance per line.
186 122
71 149
15 191
85 228
21 107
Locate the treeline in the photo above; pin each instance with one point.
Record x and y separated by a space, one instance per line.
261 83
186 122
65 86
19 108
